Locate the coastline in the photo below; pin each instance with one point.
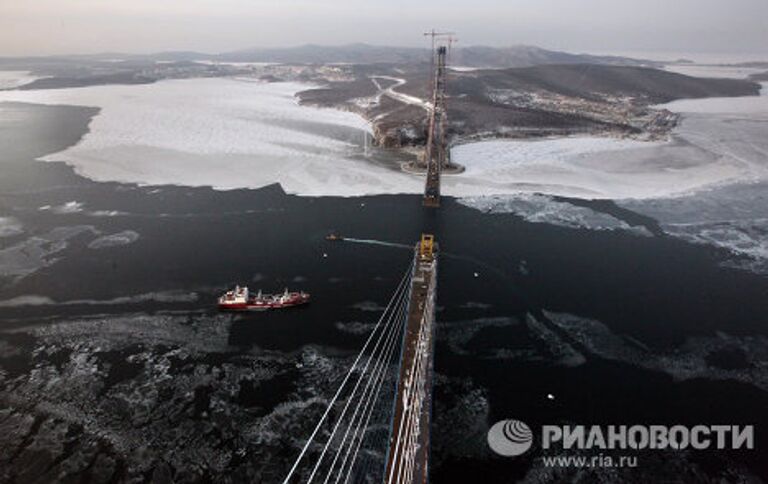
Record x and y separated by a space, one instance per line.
111 350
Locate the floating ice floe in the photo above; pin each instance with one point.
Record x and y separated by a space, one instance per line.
475 305
458 334
65 208
559 351
732 218
27 300
545 209
161 297
36 252
369 306
460 418
130 383
114 240
207 334
162 392
9 227
746 238
354 327
107 213
692 359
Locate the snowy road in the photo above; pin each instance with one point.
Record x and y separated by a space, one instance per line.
398 96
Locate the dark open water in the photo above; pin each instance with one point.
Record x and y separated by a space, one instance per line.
71 399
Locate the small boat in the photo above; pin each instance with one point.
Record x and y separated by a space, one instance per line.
334 237
240 299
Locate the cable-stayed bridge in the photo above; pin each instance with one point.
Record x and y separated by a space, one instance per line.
376 425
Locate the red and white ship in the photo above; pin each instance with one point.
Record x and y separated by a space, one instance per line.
239 299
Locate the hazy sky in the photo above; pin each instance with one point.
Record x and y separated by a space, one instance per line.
32 27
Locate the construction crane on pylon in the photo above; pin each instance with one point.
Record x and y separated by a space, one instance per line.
450 37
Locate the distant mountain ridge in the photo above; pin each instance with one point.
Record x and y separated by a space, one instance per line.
528 56
473 56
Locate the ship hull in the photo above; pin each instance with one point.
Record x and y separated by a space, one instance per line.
262 306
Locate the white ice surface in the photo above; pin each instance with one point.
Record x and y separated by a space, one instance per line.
230 134
707 186
734 218
538 208
584 167
752 106
713 71
65 208
720 141
125 237
221 133
163 297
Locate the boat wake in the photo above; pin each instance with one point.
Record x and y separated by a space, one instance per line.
377 242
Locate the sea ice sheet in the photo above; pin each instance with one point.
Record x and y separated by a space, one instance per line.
730 217
224 133
713 71
229 134
538 208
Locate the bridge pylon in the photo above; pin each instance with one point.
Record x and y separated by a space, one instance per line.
409 441
436 153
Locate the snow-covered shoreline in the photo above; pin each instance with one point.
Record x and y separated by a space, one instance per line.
14 79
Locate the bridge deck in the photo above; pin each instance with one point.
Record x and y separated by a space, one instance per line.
408 453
